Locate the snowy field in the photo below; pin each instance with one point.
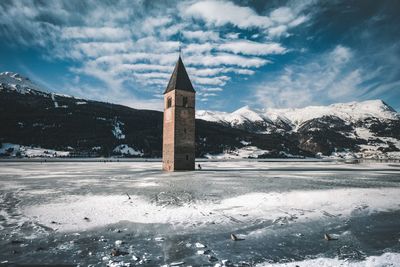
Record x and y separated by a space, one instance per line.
131 213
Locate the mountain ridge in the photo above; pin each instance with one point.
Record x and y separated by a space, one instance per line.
32 118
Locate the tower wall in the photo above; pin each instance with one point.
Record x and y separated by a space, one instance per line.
169 132
179 131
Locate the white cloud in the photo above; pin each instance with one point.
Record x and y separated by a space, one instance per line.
123 44
96 33
219 80
346 86
150 24
222 12
232 35
154 44
296 22
215 71
195 48
173 29
150 75
282 15
341 54
226 59
141 67
252 48
201 36
278 31
327 77
83 50
212 89
209 94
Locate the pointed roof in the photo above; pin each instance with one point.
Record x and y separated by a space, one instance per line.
179 79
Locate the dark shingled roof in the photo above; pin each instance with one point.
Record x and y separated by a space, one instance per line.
179 79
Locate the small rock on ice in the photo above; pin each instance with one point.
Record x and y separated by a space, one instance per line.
119 242
329 237
117 252
199 245
212 258
135 258
178 263
204 252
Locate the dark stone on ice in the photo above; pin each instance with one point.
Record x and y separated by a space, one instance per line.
329 238
212 258
235 238
116 252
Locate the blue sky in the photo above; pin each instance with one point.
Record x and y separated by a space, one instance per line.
257 53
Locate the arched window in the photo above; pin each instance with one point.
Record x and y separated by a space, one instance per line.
185 101
169 102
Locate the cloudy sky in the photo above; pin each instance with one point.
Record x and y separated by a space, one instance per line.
257 53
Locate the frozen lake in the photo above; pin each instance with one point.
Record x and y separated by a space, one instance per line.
74 213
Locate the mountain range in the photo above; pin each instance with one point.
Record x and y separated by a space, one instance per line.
37 122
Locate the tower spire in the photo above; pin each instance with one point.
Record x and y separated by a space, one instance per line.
179 79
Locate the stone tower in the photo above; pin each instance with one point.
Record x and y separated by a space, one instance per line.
179 121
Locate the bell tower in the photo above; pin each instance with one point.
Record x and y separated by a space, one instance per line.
179 121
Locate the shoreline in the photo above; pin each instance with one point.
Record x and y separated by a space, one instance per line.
111 159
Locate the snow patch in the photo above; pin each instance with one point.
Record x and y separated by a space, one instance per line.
54 101
245 143
117 130
15 150
294 205
240 153
126 150
386 259
237 117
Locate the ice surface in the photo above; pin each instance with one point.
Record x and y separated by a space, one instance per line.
301 205
77 212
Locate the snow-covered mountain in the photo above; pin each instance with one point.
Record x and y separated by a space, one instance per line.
370 128
350 112
32 118
19 83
